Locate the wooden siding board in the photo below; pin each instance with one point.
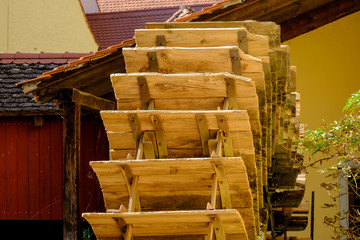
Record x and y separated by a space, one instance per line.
31 169
3 178
23 169
34 188
56 168
101 153
11 161
89 176
45 175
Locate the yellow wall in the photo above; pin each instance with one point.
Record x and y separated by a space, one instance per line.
328 71
44 25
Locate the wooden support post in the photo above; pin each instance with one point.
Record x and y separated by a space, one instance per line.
235 61
160 40
160 137
72 101
148 149
223 184
153 62
218 228
71 165
129 180
149 136
213 192
231 94
226 136
134 194
135 127
271 215
204 133
243 43
144 92
128 232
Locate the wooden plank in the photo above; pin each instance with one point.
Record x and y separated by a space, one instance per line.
12 169
270 29
71 161
175 120
56 168
3 169
34 167
166 223
255 45
23 169
209 59
165 89
45 172
86 99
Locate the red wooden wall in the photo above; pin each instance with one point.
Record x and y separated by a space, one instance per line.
31 168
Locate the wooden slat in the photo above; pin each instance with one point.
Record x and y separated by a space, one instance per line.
45 193
56 168
209 59
3 167
12 169
34 188
23 176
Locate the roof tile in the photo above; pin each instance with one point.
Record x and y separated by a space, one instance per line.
112 28
126 5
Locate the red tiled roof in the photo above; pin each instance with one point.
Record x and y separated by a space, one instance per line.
20 58
103 53
112 28
127 5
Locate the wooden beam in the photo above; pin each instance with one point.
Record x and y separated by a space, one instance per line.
71 165
85 99
317 17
